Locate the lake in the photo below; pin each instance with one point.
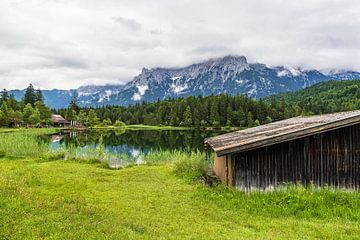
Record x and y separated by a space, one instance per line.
131 144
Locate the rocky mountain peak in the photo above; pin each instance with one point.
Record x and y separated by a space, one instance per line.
230 74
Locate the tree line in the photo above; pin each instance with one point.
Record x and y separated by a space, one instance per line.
30 111
200 112
325 97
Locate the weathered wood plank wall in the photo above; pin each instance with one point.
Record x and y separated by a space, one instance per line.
326 159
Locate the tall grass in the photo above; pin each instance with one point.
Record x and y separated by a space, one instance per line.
291 200
24 143
191 165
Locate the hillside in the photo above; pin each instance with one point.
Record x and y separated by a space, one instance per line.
325 97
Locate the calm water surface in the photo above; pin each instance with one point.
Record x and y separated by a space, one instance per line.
133 142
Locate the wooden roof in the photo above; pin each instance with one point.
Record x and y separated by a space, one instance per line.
58 119
280 131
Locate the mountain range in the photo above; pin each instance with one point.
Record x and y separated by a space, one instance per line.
229 74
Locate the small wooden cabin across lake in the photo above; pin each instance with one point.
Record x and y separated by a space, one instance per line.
58 120
323 150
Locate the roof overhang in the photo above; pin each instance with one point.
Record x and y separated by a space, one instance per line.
223 144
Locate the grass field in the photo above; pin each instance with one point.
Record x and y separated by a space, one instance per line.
46 198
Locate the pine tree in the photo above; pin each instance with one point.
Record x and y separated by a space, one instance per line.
4 108
34 118
28 111
250 119
230 116
39 96
188 121
4 96
83 119
214 113
45 112
92 118
4 115
71 115
30 95
3 119
74 104
12 103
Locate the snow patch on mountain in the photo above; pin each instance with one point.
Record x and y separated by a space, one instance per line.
141 91
178 88
282 73
293 71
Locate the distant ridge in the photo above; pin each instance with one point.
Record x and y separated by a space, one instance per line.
230 74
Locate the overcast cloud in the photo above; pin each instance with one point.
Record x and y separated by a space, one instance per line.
69 43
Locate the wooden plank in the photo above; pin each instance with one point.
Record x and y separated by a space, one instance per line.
330 158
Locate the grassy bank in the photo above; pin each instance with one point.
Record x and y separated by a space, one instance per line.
62 199
47 197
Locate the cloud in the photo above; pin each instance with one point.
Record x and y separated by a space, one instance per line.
131 24
69 43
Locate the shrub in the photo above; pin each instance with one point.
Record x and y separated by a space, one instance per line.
106 122
119 124
192 165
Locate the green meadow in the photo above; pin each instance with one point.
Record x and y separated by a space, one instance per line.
46 195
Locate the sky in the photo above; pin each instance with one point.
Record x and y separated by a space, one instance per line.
65 44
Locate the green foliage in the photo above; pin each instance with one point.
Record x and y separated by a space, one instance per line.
120 124
268 120
31 111
106 122
326 97
198 112
2 153
74 104
24 143
27 112
93 118
4 96
100 149
192 165
3 119
34 118
82 118
30 96
188 121
71 115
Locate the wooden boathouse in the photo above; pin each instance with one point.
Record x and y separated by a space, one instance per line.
59 121
323 150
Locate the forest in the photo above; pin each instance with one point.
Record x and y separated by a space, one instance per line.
30 111
199 112
210 111
239 110
325 97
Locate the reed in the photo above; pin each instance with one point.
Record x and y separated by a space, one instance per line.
24 143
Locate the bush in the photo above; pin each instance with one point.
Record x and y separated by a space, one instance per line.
106 122
119 124
193 165
2 154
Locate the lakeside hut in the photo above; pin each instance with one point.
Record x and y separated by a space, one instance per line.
59 121
323 150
